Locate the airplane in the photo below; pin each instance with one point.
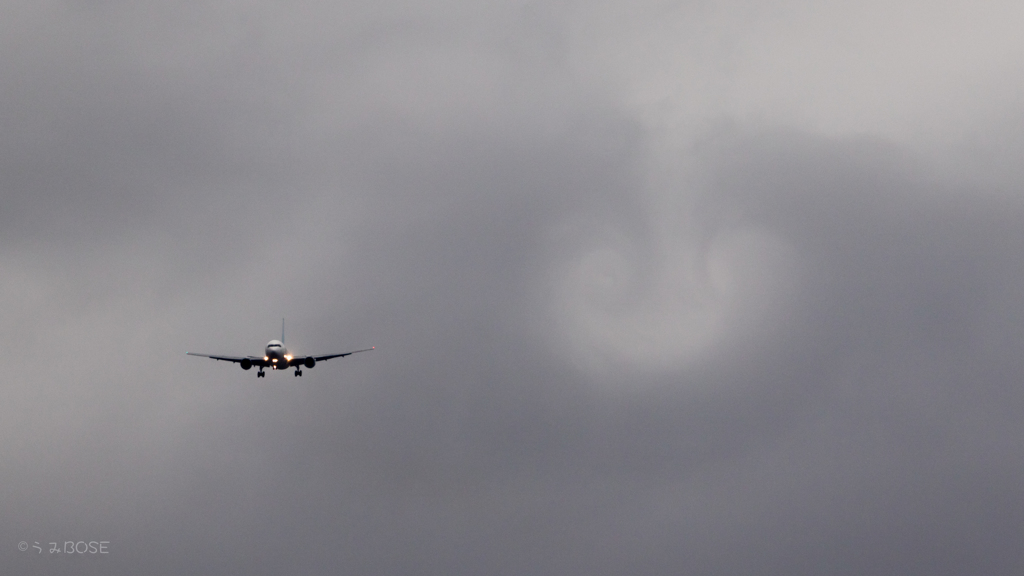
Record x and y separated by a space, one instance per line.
277 357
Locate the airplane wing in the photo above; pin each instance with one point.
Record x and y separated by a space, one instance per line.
256 360
329 356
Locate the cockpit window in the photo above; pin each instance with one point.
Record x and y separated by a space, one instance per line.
273 345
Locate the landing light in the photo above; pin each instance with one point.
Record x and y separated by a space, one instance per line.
288 357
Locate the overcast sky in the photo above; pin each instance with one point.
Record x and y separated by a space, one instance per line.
657 288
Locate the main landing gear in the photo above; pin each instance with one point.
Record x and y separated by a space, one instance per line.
260 374
298 372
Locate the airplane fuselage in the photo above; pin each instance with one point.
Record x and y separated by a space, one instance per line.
277 355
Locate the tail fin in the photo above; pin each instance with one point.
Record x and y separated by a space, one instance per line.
282 330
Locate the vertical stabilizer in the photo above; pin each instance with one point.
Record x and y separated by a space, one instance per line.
282 330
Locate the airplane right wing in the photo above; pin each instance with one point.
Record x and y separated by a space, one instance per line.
254 360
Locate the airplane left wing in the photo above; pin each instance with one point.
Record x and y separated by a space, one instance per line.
299 360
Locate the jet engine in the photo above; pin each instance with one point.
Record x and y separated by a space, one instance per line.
310 362
245 364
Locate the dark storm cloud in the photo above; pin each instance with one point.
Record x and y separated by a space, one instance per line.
830 326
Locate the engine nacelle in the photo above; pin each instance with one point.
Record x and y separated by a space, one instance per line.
245 364
310 362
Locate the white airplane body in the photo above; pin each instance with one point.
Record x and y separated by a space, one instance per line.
276 357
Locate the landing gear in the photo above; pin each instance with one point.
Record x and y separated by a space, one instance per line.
260 374
298 372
